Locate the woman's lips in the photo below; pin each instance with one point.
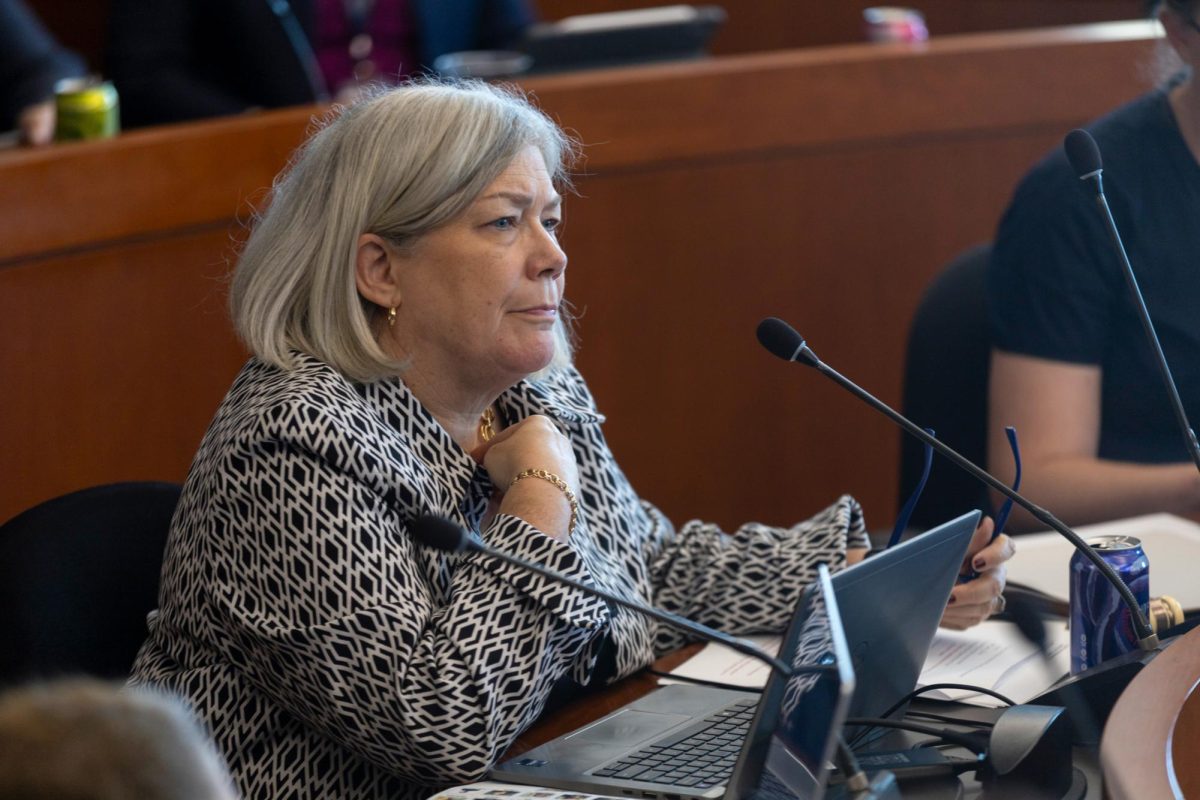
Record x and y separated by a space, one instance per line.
548 312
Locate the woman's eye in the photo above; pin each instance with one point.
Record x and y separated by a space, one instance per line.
551 224
504 223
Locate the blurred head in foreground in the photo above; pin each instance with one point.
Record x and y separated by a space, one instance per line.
88 740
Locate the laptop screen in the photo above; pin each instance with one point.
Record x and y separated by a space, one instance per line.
796 729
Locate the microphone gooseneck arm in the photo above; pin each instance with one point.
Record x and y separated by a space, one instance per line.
1147 639
1084 156
443 534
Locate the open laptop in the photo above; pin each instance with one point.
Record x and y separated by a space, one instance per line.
643 749
804 714
889 606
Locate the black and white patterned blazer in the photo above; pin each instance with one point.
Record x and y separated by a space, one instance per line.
331 656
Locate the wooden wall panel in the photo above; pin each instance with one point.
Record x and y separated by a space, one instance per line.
113 256
674 270
144 183
114 362
825 186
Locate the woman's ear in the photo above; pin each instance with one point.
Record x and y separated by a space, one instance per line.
376 271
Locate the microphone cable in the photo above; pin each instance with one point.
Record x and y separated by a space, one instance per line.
932 687
974 742
856 777
915 693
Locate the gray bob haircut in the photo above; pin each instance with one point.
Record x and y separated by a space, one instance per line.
398 164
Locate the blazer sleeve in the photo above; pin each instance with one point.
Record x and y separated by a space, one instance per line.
31 62
748 581
332 612
740 583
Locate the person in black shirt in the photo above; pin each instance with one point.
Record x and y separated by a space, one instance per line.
31 62
178 60
1072 369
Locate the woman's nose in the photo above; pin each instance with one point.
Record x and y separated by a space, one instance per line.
549 259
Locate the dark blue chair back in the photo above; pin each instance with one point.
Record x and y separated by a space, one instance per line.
946 388
78 574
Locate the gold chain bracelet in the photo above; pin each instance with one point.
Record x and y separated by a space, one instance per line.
559 484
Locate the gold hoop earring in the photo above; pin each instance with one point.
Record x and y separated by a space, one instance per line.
392 317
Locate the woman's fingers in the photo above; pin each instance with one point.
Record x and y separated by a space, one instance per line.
974 601
961 617
533 443
995 554
983 589
979 541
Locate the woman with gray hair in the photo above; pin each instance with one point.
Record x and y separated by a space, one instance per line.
403 298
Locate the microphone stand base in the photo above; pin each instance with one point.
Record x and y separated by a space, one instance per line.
1091 695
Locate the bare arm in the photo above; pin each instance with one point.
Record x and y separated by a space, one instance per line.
1055 407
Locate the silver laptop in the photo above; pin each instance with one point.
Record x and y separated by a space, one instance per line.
693 742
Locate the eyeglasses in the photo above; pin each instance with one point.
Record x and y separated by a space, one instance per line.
906 512
1001 517
1006 508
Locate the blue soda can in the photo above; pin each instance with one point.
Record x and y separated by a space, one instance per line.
1101 625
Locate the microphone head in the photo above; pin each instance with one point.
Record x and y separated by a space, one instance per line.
783 341
439 533
1083 153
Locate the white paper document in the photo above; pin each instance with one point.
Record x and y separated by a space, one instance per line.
1172 545
993 655
996 656
716 662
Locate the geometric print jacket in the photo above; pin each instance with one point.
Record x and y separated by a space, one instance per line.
331 656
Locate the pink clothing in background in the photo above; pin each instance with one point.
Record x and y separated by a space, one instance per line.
390 25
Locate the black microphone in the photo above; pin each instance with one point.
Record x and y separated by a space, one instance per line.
1084 156
1102 684
783 341
443 534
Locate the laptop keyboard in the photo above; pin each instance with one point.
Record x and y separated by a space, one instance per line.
700 756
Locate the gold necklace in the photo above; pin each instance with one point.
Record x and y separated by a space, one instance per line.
487 424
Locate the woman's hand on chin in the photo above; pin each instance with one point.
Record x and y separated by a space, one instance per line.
533 443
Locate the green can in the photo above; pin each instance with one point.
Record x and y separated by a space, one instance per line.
86 108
